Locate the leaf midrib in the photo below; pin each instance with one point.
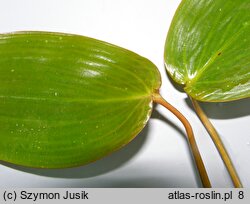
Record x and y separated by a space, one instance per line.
61 99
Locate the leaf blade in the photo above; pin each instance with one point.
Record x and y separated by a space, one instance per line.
67 100
210 45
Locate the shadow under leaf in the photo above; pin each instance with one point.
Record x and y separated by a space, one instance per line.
157 115
224 110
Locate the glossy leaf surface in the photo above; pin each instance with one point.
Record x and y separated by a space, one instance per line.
67 100
208 49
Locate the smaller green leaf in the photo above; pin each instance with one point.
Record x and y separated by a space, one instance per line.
207 49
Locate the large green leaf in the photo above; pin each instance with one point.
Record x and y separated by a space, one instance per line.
208 49
66 100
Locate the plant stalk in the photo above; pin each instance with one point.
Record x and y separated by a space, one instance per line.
218 143
157 98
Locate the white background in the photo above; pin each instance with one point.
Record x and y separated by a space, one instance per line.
159 156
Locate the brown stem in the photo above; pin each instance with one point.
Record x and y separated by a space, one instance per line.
198 160
218 143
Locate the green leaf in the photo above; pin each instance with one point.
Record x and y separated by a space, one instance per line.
67 100
208 49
